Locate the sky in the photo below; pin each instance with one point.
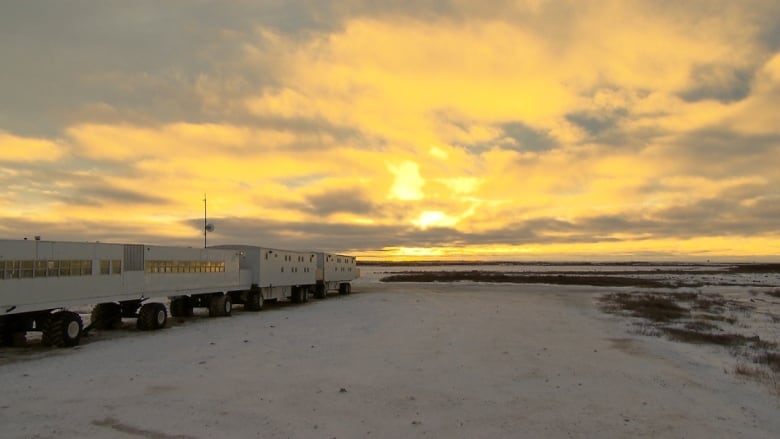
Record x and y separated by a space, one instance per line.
526 129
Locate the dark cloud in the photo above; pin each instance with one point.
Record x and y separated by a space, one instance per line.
90 195
292 235
339 201
717 153
720 217
527 138
595 123
39 182
142 59
325 204
352 237
723 83
709 217
143 62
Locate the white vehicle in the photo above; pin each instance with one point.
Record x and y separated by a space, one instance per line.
39 279
335 272
194 277
275 274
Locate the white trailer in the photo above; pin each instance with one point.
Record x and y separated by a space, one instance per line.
335 272
275 274
40 279
194 277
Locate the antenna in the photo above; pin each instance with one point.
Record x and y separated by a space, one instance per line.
206 226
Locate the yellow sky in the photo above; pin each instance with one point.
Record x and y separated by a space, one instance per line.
527 129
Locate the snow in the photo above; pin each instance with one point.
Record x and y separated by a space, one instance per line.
457 360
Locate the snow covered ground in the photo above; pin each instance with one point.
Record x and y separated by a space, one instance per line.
391 360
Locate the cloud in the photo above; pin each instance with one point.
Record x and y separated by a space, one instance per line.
722 83
21 149
339 201
533 127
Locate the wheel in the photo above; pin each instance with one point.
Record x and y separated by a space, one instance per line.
320 291
220 306
62 329
152 316
345 288
13 329
6 331
106 316
181 307
254 301
295 295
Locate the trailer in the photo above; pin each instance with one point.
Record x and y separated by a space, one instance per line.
40 280
274 274
335 272
194 277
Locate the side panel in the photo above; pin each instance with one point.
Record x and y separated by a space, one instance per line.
173 271
277 268
334 268
40 275
286 268
249 259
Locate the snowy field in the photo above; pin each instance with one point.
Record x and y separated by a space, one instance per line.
393 360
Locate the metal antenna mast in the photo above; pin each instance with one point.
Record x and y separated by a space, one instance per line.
206 226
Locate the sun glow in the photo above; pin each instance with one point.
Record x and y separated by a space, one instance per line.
408 183
430 218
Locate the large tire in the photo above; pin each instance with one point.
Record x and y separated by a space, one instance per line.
62 329
220 306
152 316
106 316
295 295
13 330
6 331
254 300
181 307
345 288
320 291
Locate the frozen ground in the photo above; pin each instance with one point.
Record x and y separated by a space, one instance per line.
454 360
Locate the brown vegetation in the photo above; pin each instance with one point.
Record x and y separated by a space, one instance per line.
653 307
701 319
523 278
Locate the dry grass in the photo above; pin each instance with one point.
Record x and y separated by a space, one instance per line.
717 318
648 306
701 319
698 337
760 374
524 278
715 304
701 326
756 268
770 359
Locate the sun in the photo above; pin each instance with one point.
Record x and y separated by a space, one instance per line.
434 218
